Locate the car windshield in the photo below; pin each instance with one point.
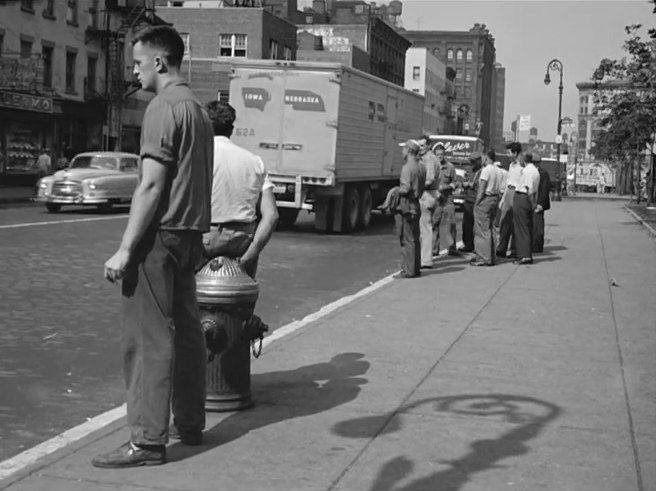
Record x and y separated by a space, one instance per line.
94 162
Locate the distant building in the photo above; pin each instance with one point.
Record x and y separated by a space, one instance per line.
472 55
498 106
427 75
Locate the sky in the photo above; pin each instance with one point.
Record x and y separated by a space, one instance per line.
529 33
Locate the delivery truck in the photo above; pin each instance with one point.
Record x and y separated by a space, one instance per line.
329 136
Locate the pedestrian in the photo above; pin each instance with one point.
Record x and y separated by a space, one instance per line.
504 186
241 191
470 187
487 204
411 187
163 344
524 204
44 163
428 200
445 210
506 222
543 203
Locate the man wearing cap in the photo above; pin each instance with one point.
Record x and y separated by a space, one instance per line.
411 187
506 225
445 210
524 203
428 200
470 186
543 203
487 202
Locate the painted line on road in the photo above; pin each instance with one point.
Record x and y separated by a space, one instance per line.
31 456
637 217
58 222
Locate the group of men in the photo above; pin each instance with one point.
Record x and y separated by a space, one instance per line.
199 196
513 200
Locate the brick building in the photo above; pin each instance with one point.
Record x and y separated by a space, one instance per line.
472 55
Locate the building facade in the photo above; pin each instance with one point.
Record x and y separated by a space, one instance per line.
472 55
427 75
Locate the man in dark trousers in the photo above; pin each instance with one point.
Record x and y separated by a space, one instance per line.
413 179
542 204
506 223
470 187
523 205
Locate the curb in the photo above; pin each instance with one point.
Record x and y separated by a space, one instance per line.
639 219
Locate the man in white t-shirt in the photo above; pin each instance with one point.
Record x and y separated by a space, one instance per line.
244 213
524 204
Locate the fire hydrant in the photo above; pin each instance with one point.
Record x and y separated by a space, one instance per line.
227 297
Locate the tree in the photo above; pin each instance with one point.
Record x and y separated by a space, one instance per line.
625 103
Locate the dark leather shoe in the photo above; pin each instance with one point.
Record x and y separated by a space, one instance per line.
454 252
480 263
500 254
524 260
130 455
426 266
465 249
188 437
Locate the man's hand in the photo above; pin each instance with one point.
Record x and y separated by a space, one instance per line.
116 265
248 258
538 208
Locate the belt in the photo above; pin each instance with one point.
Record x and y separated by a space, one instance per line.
492 194
521 192
231 224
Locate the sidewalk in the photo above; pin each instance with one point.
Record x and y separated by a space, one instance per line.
467 379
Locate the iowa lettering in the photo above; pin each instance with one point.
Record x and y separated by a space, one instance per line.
455 147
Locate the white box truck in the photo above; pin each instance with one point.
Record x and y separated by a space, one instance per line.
329 136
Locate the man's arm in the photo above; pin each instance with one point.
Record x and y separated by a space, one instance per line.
144 205
264 231
405 185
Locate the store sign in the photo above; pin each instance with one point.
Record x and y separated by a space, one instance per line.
21 73
25 101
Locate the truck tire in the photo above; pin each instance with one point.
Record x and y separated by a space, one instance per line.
351 212
286 218
366 205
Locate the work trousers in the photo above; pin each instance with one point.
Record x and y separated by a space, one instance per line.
506 232
523 225
164 354
484 214
427 205
538 231
231 239
468 225
408 230
445 214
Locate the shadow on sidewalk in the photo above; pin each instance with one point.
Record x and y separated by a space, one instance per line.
289 394
531 415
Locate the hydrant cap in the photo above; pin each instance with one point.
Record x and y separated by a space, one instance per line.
223 281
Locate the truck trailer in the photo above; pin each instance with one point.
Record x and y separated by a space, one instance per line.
329 136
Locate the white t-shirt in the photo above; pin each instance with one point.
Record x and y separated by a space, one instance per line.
530 179
239 179
493 177
514 173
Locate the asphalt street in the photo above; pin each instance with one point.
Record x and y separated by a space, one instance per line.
59 333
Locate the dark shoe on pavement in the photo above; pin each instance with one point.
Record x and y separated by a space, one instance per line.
131 455
454 252
524 260
480 263
500 254
426 266
512 255
188 437
465 249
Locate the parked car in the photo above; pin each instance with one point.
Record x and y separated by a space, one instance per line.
102 179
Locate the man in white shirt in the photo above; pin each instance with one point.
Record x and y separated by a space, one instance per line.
44 163
524 203
506 228
241 190
485 209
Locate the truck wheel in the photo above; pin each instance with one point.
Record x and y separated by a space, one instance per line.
351 209
366 205
53 207
286 218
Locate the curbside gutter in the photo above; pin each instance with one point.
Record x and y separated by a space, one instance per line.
651 229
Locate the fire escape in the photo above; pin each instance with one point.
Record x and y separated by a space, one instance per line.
115 23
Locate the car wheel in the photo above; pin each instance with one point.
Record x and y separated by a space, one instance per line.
53 207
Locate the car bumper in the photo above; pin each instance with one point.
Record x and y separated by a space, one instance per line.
71 200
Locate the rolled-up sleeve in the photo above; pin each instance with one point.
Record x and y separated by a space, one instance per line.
158 133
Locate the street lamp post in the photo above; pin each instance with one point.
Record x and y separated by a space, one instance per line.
556 64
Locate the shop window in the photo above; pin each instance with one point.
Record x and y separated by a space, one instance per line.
449 54
469 55
25 48
24 142
416 72
47 54
71 12
273 49
233 45
71 58
288 53
49 9
459 55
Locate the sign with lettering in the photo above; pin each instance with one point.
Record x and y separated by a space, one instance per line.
21 73
304 100
25 102
255 97
458 149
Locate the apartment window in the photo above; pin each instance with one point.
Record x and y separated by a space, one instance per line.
416 72
273 49
458 74
459 55
25 48
287 51
47 54
232 45
71 58
49 9
92 63
359 9
468 75
449 54
27 5
309 19
71 12
469 55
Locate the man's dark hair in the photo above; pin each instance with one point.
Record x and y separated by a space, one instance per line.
424 137
514 147
491 154
223 117
165 38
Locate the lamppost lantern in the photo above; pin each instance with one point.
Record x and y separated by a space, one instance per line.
557 65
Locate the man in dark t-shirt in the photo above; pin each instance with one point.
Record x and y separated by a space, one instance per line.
163 342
